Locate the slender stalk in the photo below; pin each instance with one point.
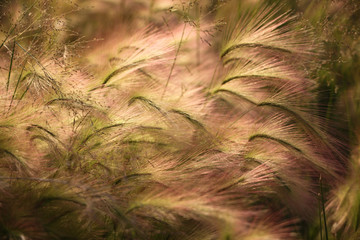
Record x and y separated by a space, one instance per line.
197 33
7 36
320 223
174 62
11 62
32 56
15 25
17 85
323 209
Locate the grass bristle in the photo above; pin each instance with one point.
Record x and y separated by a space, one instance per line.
174 120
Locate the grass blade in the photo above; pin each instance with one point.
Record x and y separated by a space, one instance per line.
11 63
323 208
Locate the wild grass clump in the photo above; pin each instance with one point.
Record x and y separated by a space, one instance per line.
183 127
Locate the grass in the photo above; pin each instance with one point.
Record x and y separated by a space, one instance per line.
187 129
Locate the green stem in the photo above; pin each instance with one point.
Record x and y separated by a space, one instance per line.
11 62
323 208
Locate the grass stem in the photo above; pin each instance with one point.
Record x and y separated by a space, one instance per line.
323 208
174 62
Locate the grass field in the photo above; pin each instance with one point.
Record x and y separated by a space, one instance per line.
169 119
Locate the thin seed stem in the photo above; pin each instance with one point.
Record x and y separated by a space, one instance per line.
323 209
320 222
11 63
174 62
17 85
197 33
